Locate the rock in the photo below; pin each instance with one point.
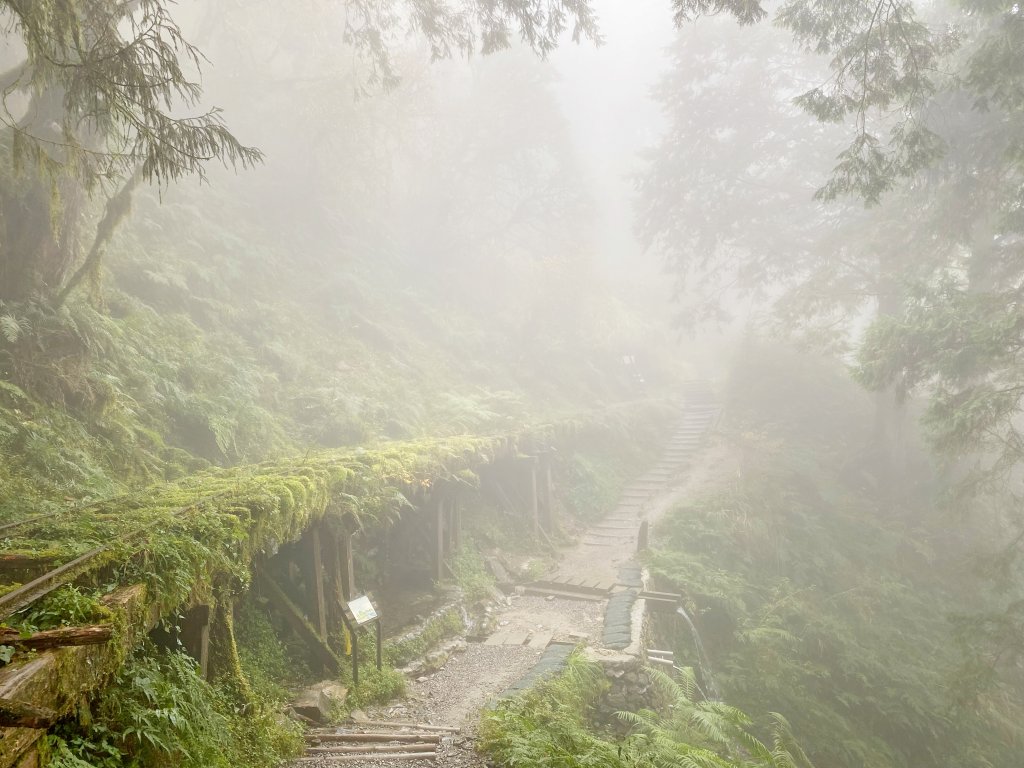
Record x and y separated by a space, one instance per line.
421 679
318 702
358 716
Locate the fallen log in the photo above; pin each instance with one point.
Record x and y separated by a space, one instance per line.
57 638
14 714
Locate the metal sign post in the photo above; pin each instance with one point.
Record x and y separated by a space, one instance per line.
358 613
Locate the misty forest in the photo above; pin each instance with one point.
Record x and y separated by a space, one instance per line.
512 383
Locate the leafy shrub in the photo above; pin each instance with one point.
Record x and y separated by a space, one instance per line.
159 711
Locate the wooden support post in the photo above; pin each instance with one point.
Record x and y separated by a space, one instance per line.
317 598
457 522
439 526
334 565
349 572
534 511
546 494
195 636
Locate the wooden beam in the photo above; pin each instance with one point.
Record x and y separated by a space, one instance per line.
22 562
333 557
324 760
439 550
349 572
371 748
457 522
534 512
334 738
57 638
15 714
317 599
402 724
320 650
546 494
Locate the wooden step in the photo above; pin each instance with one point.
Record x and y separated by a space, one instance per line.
572 585
340 759
400 724
583 596
371 749
374 737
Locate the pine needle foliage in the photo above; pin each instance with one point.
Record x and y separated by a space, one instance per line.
119 71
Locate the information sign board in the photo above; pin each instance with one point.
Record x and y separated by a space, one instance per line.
363 611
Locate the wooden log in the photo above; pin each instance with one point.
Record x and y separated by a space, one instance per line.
534 508
431 738
20 562
439 529
403 724
317 598
364 748
333 565
324 760
15 714
57 638
349 562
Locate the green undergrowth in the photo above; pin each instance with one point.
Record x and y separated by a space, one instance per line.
159 711
439 627
273 667
826 595
65 607
471 573
553 724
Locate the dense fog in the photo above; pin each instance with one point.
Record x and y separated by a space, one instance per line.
280 265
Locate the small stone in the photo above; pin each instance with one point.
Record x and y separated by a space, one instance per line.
421 679
550 597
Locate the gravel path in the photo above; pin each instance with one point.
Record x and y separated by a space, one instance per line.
455 694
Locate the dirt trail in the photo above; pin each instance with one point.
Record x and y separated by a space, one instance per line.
455 694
